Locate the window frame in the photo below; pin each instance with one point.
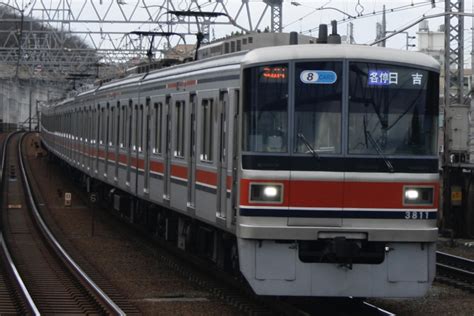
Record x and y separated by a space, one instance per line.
206 150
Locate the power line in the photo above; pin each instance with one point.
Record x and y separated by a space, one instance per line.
377 13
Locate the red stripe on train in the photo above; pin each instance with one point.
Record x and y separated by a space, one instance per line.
179 171
341 194
206 177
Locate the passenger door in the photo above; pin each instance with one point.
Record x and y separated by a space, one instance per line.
157 148
233 145
222 155
208 153
146 145
192 154
179 142
167 153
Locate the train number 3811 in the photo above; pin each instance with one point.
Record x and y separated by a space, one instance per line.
417 215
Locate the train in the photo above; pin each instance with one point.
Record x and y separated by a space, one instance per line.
310 169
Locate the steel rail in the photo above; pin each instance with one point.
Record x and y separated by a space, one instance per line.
31 306
457 273
460 268
13 271
456 261
104 298
377 309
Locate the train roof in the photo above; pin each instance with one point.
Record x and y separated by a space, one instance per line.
335 51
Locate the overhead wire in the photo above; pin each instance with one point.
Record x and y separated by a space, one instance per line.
409 22
372 14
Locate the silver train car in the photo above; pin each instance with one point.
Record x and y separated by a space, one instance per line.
311 169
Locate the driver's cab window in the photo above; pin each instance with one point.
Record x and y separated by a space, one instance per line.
266 109
318 106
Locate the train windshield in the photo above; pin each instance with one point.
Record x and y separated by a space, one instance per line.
318 104
388 110
266 109
393 110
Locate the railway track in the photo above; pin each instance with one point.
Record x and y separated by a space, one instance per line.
234 294
339 306
456 271
55 282
14 297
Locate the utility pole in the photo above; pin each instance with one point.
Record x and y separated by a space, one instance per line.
381 30
471 123
456 126
350 32
384 26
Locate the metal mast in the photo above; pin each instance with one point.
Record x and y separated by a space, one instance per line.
105 25
454 53
276 14
456 125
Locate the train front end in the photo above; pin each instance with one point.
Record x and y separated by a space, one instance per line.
339 181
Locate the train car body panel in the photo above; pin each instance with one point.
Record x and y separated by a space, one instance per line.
275 269
319 160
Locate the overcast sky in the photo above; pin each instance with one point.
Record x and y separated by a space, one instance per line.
301 16
404 12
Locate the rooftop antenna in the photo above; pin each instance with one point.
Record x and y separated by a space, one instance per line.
200 36
149 53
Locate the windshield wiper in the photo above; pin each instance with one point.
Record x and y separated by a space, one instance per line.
368 136
379 151
308 145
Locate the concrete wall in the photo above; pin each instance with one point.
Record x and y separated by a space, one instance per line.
16 97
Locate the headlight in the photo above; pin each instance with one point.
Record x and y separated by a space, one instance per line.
411 194
266 192
418 195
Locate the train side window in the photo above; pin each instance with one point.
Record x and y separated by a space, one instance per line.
133 126
179 131
112 126
107 124
123 129
87 125
100 115
158 115
100 124
117 126
93 125
103 126
207 107
68 125
140 129
96 125
84 127
80 124
72 125
129 124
